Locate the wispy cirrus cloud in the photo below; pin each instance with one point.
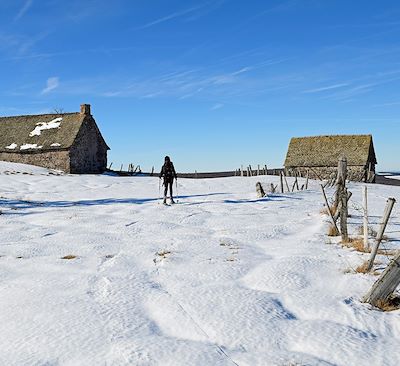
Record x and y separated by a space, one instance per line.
201 9
17 45
325 88
27 5
216 106
51 84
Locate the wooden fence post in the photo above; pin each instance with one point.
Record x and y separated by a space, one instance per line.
388 210
343 215
365 221
281 182
286 182
341 179
386 284
260 190
295 183
258 169
121 167
266 170
241 171
109 168
308 173
329 210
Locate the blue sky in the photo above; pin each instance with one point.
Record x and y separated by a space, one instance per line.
215 84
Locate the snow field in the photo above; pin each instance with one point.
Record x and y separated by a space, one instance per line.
221 278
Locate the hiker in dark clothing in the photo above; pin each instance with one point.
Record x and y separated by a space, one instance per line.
168 173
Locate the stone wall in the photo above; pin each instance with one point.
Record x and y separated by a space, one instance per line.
89 152
58 160
354 173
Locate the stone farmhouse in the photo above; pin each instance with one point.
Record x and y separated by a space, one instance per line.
319 156
70 142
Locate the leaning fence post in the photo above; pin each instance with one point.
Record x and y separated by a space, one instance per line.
388 210
386 283
365 221
286 182
329 210
295 183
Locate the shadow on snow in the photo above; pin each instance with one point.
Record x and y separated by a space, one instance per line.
27 204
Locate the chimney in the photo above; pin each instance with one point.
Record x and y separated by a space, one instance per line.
85 109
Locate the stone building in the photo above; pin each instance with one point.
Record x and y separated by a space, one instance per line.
319 156
70 142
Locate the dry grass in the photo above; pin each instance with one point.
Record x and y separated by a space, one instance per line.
332 231
69 257
392 303
371 231
325 210
231 260
163 253
387 252
362 268
357 244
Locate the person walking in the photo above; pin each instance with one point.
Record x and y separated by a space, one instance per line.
169 174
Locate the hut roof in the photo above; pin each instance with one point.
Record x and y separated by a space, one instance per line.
34 133
321 151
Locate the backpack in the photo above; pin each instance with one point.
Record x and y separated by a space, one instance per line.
169 170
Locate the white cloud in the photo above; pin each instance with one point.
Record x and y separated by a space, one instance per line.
52 83
201 10
27 5
216 106
242 70
325 88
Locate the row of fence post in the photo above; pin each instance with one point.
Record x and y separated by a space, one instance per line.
389 280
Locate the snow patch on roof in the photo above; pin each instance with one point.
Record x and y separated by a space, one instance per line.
56 144
30 146
55 123
12 146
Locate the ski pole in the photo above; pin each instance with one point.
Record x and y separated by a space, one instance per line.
159 189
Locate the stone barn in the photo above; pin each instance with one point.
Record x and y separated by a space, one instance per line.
70 142
319 156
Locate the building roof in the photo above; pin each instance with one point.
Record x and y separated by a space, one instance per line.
321 151
45 132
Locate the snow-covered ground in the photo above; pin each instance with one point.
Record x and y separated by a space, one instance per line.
221 278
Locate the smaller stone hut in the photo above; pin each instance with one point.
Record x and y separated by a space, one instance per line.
70 142
319 156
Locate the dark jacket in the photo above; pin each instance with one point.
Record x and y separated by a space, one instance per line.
168 171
